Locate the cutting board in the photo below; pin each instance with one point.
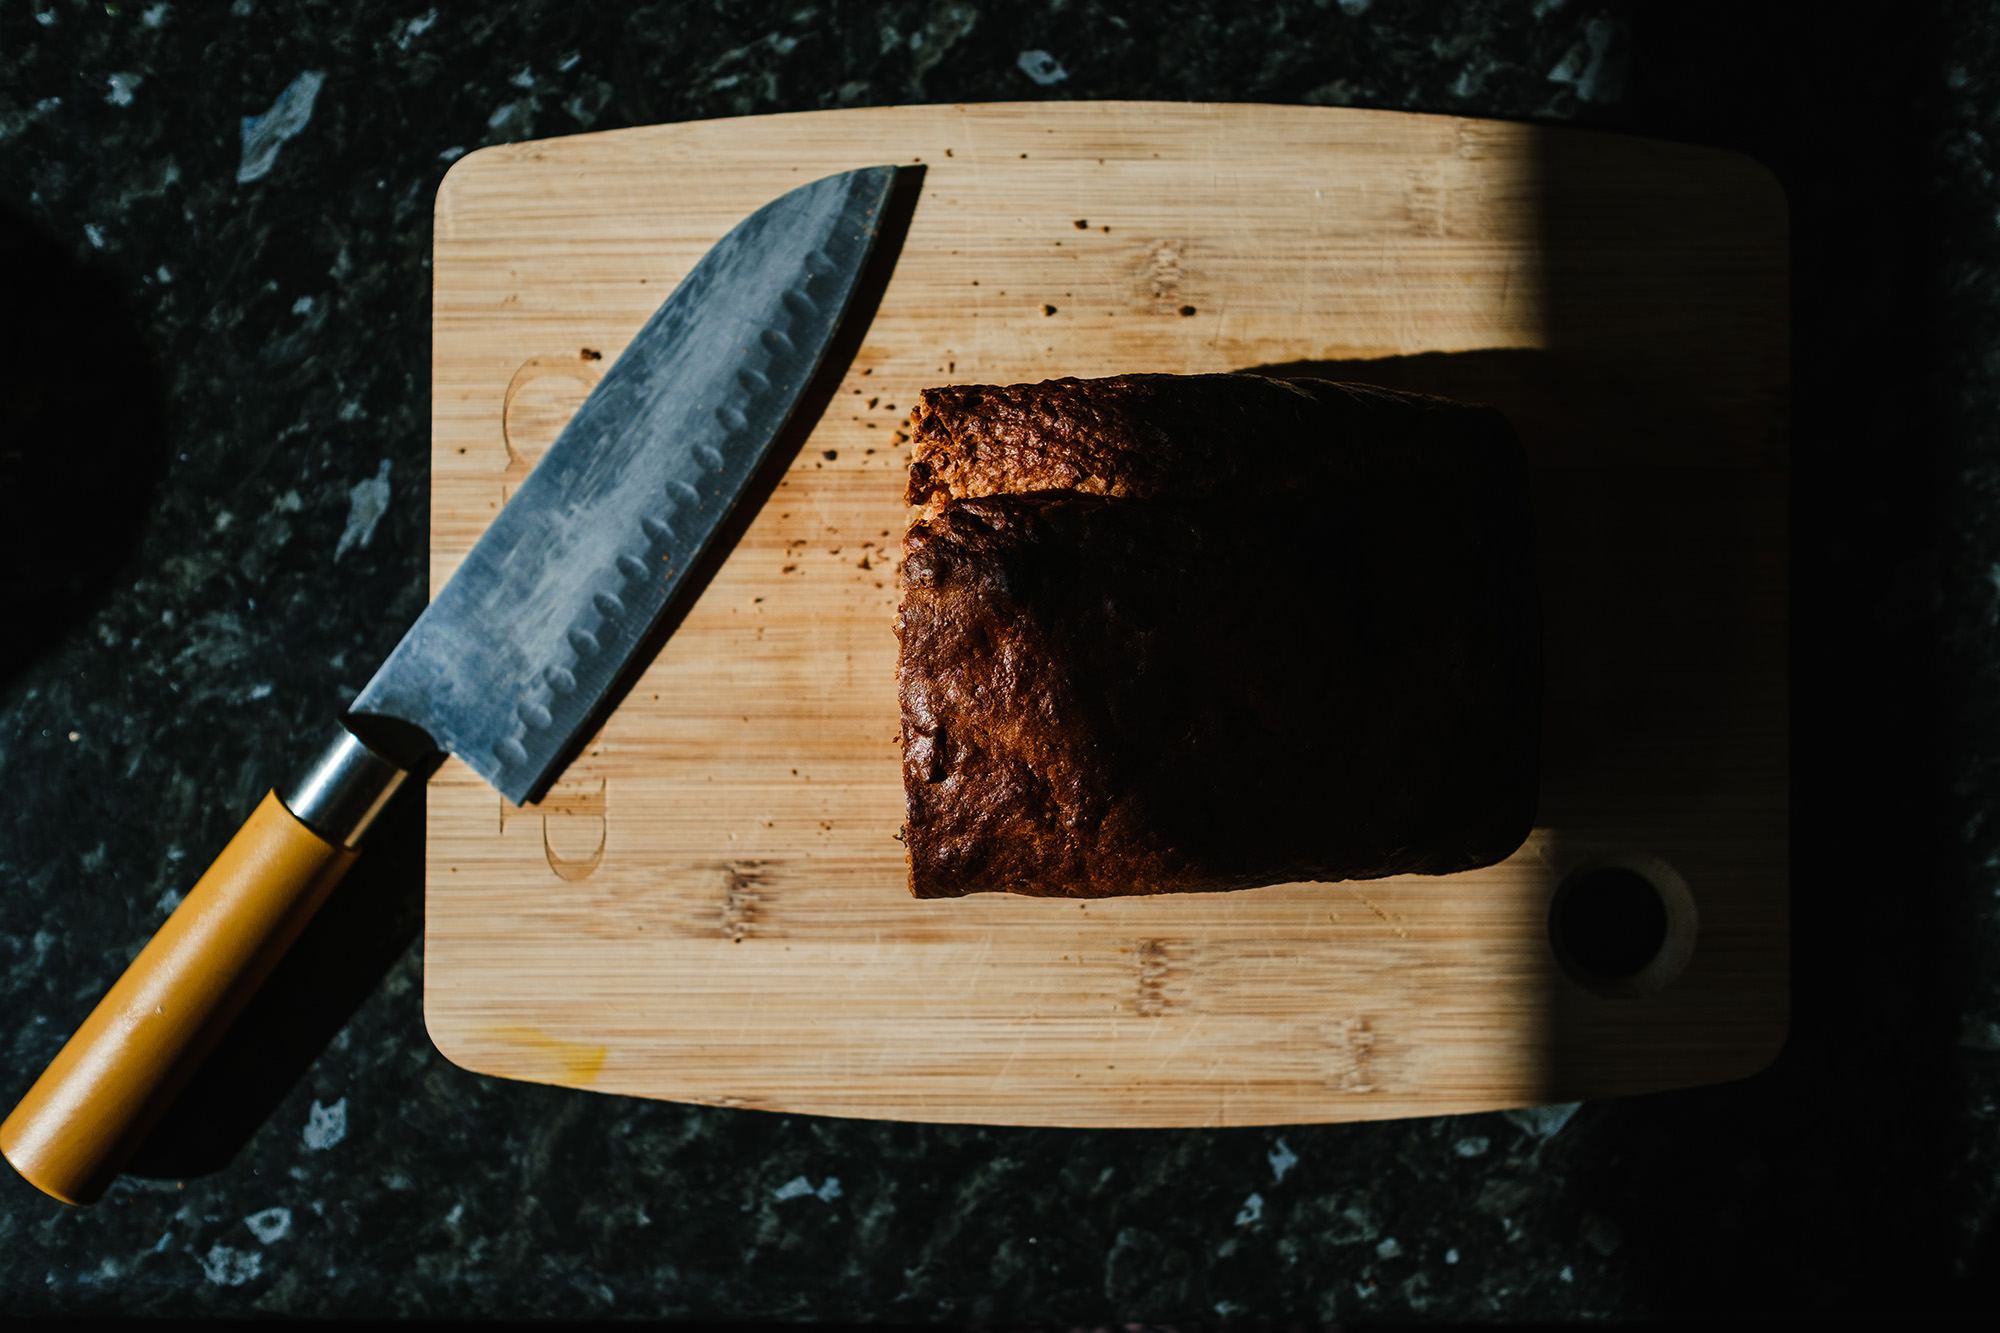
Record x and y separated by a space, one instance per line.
711 905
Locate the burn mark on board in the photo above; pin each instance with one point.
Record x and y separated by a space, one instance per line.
1350 1049
743 884
1163 975
1163 276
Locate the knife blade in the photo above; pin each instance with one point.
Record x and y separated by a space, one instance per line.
509 668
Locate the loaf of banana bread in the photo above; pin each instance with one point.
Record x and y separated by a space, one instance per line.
1185 633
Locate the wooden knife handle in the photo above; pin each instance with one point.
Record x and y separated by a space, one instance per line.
94 1105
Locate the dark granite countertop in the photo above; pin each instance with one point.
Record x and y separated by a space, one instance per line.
230 204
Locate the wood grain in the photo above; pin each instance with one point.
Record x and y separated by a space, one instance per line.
711 904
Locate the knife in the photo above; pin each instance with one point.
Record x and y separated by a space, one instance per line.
512 665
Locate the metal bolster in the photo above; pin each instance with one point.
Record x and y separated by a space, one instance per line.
343 791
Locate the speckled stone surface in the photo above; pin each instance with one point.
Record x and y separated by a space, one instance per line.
251 183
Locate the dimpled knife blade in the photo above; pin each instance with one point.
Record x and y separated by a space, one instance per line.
540 621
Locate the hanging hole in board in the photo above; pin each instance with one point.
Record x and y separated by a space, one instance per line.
1622 926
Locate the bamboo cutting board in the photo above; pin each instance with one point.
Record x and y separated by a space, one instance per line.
711 905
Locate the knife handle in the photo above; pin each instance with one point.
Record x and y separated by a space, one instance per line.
120 1071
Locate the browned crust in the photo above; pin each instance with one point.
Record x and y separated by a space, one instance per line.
1184 437
1253 632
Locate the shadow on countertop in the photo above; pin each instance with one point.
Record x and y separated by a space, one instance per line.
83 439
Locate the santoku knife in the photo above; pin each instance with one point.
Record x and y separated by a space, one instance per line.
506 669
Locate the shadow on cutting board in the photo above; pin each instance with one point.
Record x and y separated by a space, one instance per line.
1645 567
1665 504
1664 635
1653 416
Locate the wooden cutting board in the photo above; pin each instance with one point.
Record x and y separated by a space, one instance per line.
711 905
